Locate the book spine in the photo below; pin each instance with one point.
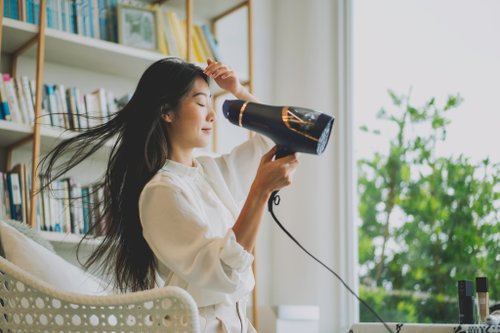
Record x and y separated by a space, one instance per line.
29 11
28 98
211 42
36 11
4 103
15 195
23 105
103 19
15 110
3 212
86 209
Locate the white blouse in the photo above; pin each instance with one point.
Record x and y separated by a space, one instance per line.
187 215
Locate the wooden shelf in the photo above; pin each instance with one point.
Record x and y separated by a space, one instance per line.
79 51
11 132
203 12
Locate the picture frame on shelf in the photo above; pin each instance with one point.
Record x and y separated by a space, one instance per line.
138 27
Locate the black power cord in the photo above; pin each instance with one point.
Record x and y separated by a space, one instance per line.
275 200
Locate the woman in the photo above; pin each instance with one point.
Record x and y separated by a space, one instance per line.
171 219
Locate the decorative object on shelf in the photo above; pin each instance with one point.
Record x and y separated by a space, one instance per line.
138 27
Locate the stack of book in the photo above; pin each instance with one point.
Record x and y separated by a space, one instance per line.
66 207
65 108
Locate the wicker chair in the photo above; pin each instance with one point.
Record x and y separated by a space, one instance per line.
30 305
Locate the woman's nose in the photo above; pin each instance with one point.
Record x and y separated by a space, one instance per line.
212 116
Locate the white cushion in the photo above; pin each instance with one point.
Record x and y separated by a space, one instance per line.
46 265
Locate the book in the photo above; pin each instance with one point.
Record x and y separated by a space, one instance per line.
15 196
20 170
28 98
204 44
23 105
179 34
15 110
212 42
3 199
4 103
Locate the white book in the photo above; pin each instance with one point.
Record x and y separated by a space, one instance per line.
28 98
62 114
111 104
93 109
15 111
77 206
45 203
18 86
102 99
81 107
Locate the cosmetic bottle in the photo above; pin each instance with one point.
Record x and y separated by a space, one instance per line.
482 298
466 302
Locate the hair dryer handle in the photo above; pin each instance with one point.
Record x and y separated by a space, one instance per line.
281 151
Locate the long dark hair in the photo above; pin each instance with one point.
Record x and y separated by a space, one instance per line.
140 150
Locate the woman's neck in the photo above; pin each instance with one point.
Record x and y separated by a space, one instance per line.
184 157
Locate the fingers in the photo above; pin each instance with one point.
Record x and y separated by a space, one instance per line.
217 70
292 158
267 157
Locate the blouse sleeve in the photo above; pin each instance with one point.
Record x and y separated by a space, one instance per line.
240 166
181 240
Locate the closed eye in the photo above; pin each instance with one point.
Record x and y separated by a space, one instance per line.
202 105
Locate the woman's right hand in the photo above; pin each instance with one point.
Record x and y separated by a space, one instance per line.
274 174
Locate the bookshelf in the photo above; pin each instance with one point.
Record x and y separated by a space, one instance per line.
49 46
83 52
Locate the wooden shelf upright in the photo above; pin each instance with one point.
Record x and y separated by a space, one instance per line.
35 135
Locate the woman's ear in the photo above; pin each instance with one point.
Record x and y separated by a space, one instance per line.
168 117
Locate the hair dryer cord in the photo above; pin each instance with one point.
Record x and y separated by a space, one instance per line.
275 200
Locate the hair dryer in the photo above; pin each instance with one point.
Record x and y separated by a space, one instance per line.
293 129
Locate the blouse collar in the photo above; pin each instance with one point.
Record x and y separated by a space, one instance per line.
182 169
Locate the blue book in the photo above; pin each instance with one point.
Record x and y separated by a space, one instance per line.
49 13
112 20
36 11
86 209
15 195
55 14
212 42
84 12
72 17
29 11
103 20
90 9
64 13
11 9
5 111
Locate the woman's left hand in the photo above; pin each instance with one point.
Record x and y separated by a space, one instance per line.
224 76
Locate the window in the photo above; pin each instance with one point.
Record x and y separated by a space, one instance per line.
426 79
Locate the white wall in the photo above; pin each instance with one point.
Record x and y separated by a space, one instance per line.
301 58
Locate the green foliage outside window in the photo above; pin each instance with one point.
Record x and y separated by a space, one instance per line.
427 220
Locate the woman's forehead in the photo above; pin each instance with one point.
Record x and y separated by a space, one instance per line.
200 88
